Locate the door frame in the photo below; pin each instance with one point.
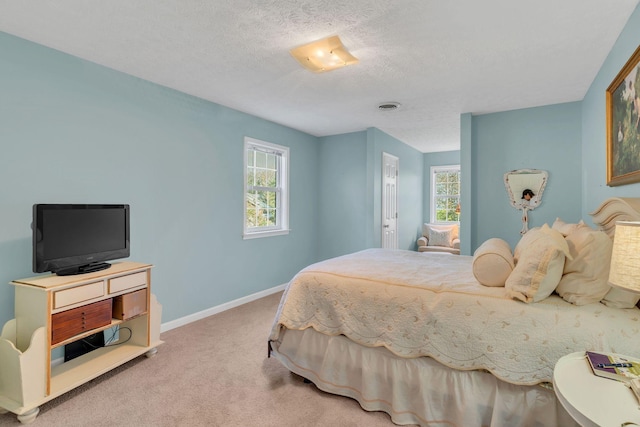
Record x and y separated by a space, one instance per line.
383 195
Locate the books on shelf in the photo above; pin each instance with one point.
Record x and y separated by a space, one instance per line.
614 366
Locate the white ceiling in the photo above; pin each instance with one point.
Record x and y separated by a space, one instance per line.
437 58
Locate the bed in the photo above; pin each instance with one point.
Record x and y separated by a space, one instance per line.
418 336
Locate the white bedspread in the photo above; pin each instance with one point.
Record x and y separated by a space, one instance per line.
429 304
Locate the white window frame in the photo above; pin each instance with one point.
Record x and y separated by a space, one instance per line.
433 171
282 189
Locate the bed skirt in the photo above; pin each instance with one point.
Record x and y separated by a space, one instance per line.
418 390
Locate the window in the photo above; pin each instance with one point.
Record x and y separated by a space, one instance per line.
266 186
445 193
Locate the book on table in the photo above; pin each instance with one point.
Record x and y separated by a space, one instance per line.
614 366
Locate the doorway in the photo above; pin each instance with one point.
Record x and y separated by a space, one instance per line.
390 167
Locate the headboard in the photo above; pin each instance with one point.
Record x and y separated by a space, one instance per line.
616 209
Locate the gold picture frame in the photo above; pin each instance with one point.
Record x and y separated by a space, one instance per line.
623 124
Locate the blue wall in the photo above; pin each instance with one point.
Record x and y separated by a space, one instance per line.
467 214
568 140
594 135
75 132
410 183
342 201
535 138
350 204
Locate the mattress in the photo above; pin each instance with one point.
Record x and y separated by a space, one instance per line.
429 304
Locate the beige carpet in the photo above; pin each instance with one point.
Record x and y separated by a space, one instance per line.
213 372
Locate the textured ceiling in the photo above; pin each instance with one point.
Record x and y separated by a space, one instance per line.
437 58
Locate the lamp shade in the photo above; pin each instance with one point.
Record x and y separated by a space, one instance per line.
625 257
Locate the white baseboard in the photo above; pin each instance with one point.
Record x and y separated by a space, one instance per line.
218 309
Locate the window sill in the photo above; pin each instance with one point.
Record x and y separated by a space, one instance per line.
259 234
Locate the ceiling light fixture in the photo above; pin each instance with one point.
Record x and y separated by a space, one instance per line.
323 55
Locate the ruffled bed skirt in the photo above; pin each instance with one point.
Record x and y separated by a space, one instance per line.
415 391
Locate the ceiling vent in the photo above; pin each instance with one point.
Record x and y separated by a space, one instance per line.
389 106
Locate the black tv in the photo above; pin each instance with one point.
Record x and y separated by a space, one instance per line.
74 239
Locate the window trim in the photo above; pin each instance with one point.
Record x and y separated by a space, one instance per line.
283 189
433 170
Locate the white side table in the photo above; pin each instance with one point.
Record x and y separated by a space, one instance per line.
592 400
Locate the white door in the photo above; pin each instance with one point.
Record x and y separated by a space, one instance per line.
389 201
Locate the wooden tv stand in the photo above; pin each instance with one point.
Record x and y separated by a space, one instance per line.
52 311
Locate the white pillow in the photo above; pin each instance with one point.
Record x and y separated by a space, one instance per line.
544 232
539 268
565 228
493 262
440 227
440 237
619 298
585 276
528 238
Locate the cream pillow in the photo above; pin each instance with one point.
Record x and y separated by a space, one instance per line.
565 228
439 238
558 239
585 276
619 298
493 262
544 232
426 228
526 240
539 268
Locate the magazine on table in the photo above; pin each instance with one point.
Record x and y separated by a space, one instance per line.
614 366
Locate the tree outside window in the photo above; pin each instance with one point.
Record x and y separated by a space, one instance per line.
266 189
445 194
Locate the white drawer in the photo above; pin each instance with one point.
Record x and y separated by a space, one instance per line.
78 294
126 282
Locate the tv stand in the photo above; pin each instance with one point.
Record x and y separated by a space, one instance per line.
52 311
82 269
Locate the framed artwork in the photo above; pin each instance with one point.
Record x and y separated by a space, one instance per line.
623 124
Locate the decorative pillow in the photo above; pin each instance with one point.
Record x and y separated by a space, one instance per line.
440 227
493 262
619 298
539 268
544 232
526 240
558 239
440 237
565 228
585 276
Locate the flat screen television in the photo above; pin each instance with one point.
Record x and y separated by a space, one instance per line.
74 239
